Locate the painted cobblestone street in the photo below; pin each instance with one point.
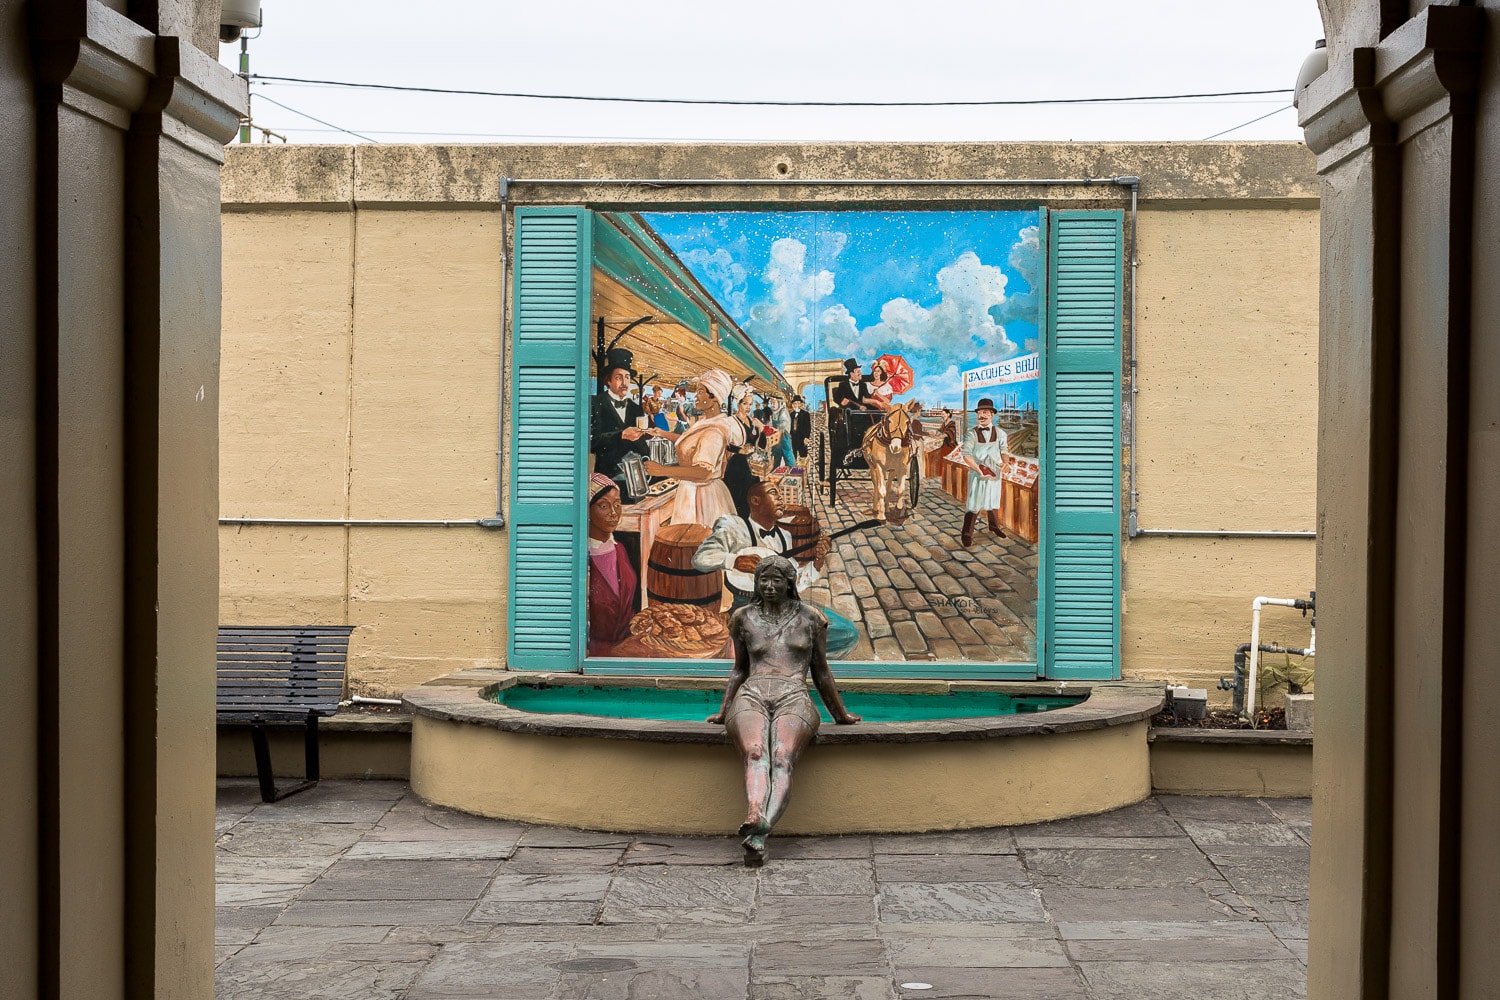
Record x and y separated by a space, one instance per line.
360 890
916 594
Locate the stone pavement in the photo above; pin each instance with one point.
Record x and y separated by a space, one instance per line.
360 890
916 594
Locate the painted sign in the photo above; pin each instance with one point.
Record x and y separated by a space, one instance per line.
1027 366
796 383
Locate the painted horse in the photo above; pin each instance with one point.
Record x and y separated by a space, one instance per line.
889 447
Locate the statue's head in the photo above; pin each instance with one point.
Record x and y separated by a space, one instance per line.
775 575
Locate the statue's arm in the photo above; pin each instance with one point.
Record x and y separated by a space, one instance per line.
737 673
822 675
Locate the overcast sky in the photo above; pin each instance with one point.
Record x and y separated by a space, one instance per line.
810 50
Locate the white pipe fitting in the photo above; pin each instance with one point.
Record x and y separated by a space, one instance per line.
1250 677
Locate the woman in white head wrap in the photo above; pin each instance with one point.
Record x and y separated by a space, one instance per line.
702 450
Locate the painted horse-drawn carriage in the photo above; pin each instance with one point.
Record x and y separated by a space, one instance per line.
886 444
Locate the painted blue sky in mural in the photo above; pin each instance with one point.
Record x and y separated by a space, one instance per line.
946 290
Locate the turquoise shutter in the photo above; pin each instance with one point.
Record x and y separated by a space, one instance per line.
1081 492
548 419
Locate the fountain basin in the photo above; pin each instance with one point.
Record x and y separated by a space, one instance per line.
473 753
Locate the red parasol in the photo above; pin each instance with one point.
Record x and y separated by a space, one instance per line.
898 373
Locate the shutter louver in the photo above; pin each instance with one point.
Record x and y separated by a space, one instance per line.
1081 541
549 414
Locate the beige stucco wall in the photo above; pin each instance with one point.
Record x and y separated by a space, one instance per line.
1226 435
361 314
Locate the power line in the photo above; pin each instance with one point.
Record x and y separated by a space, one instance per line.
259 78
1250 122
320 121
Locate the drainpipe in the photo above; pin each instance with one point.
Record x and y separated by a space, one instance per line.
1304 604
498 521
1134 184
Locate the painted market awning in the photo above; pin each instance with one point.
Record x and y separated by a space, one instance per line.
636 274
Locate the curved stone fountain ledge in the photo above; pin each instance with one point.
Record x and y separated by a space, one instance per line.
1108 704
471 753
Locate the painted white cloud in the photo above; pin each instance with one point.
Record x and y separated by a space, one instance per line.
725 277
783 321
967 321
1026 258
962 321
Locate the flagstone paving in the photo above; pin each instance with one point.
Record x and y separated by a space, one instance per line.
915 593
361 890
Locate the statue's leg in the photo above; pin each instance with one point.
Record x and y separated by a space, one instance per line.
790 735
750 730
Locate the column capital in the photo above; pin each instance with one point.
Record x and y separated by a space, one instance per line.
107 66
198 101
1387 93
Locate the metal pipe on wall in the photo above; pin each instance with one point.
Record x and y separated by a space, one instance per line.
1210 533
346 522
1131 528
667 182
498 521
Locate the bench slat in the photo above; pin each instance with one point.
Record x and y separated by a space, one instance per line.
279 672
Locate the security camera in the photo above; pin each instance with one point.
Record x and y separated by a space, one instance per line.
236 16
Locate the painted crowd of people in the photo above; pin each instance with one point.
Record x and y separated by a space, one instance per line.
716 426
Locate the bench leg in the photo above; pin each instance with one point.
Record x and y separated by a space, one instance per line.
267 777
310 737
263 763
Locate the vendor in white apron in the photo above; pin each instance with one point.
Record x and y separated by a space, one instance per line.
983 453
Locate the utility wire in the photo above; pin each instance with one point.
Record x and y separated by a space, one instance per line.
320 121
260 78
1250 122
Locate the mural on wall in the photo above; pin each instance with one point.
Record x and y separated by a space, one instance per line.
860 391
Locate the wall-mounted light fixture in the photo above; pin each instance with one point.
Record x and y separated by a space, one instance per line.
1312 67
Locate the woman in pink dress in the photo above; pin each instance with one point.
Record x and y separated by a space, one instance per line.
702 449
612 579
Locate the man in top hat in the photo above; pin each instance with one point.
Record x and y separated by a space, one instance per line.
983 451
615 421
801 428
854 392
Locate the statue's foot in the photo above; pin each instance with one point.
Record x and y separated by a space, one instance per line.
755 850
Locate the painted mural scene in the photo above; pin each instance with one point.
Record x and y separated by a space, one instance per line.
863 399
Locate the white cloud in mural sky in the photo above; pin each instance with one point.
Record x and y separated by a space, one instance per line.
942 50
967 318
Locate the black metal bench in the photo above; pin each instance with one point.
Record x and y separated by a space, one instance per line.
281 675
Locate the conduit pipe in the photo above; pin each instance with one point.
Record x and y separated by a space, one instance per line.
670 182
345 522
1197 533
1304 604
1135 263
498 521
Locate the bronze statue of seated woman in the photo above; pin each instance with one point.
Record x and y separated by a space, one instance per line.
767 709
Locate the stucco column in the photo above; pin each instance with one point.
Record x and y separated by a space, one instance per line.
1393 126
129 133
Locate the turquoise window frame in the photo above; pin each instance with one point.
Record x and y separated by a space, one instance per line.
547 572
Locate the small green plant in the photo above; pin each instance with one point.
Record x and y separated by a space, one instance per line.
1295 677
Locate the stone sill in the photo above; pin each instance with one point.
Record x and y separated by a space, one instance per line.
345 722
1231 737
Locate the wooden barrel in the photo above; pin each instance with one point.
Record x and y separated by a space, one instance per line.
670 575
802 525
